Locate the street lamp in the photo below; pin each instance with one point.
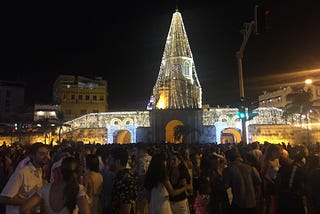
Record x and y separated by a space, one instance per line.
239 54
257 25
308 82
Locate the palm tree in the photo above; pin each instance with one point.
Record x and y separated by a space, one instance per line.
300 102
44 126
59 123
50 125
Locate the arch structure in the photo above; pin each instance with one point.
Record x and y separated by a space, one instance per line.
115 123
135 125
170 131
230 135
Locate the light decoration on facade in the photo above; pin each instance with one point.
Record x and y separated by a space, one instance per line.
150 105
52 113
40 113
177 85
271 139
161 104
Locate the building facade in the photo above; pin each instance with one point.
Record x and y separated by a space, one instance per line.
42 112
278 98
176 101
79 95
12 95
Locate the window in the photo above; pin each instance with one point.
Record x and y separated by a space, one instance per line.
176 67
94 97
87 97
101 98
80 97
186 66
72 97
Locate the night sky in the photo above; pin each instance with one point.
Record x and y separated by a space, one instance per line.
123 42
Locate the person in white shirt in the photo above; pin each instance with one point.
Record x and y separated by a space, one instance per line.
63 196
24 182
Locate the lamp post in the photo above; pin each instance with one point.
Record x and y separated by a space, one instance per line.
308 82
308 134
247 32
258 24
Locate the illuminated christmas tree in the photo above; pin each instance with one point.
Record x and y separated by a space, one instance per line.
177 85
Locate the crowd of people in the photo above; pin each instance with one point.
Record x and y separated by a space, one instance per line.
159 178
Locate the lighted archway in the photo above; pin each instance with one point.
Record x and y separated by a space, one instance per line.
227 138
170 130
122 137
225 135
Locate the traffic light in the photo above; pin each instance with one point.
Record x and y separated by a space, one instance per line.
251 114
260 19
242 113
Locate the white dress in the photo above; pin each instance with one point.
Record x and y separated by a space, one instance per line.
44 194
159 202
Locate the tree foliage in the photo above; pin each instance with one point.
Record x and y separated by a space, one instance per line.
299 102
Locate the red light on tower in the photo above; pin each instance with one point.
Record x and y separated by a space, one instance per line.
267 12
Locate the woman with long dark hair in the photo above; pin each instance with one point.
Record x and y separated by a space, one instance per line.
158 184
65 196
